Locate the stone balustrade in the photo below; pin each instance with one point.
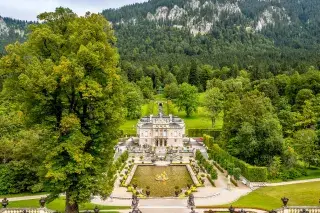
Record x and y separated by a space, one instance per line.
299 209
26 210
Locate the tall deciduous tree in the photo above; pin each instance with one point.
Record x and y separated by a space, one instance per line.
213 102
171 91
305 144
188 98
133 101
252 129
146 86
66 78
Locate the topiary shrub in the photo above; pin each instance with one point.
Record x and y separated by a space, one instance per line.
214 174
236 173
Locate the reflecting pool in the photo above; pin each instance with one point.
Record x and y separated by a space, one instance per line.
177 176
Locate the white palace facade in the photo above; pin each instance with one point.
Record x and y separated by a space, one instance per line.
161 131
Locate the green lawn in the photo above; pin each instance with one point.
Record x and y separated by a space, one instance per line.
198 119
59 205
303 194
129 127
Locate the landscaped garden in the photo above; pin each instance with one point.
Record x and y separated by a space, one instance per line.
177 176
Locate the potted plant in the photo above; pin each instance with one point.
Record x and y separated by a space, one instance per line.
202 180
148 191
134 183
189 185
176 191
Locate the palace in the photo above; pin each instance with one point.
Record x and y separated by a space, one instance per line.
161 131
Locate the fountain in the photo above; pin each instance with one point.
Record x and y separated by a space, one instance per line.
162 177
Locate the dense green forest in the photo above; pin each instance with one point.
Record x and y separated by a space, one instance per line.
289 42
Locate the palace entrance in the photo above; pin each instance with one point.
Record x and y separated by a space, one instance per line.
160 142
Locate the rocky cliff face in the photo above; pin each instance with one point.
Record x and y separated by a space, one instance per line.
7 28
199 16
272 15
4 30
11 30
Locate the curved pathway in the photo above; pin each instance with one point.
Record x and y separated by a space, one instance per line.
31 197
293 182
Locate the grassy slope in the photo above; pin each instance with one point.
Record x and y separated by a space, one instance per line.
303 194
59 205
198 119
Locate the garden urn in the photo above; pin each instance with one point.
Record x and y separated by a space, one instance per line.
285 201
42 202
96 210
5 202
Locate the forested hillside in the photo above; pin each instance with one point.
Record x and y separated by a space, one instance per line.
266 37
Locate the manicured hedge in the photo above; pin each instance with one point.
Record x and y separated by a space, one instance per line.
208 140
200 132
252 173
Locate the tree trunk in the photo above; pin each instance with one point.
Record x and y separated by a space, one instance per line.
71 207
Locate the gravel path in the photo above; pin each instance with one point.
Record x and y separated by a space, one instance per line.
293 182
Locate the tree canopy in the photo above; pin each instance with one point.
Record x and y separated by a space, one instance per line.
65 82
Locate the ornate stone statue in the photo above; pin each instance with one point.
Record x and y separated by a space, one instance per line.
135 202
229 183
134 205
191 200
135 210
192 210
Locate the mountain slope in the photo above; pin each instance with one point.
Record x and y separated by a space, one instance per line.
295 18
12 30
275 35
